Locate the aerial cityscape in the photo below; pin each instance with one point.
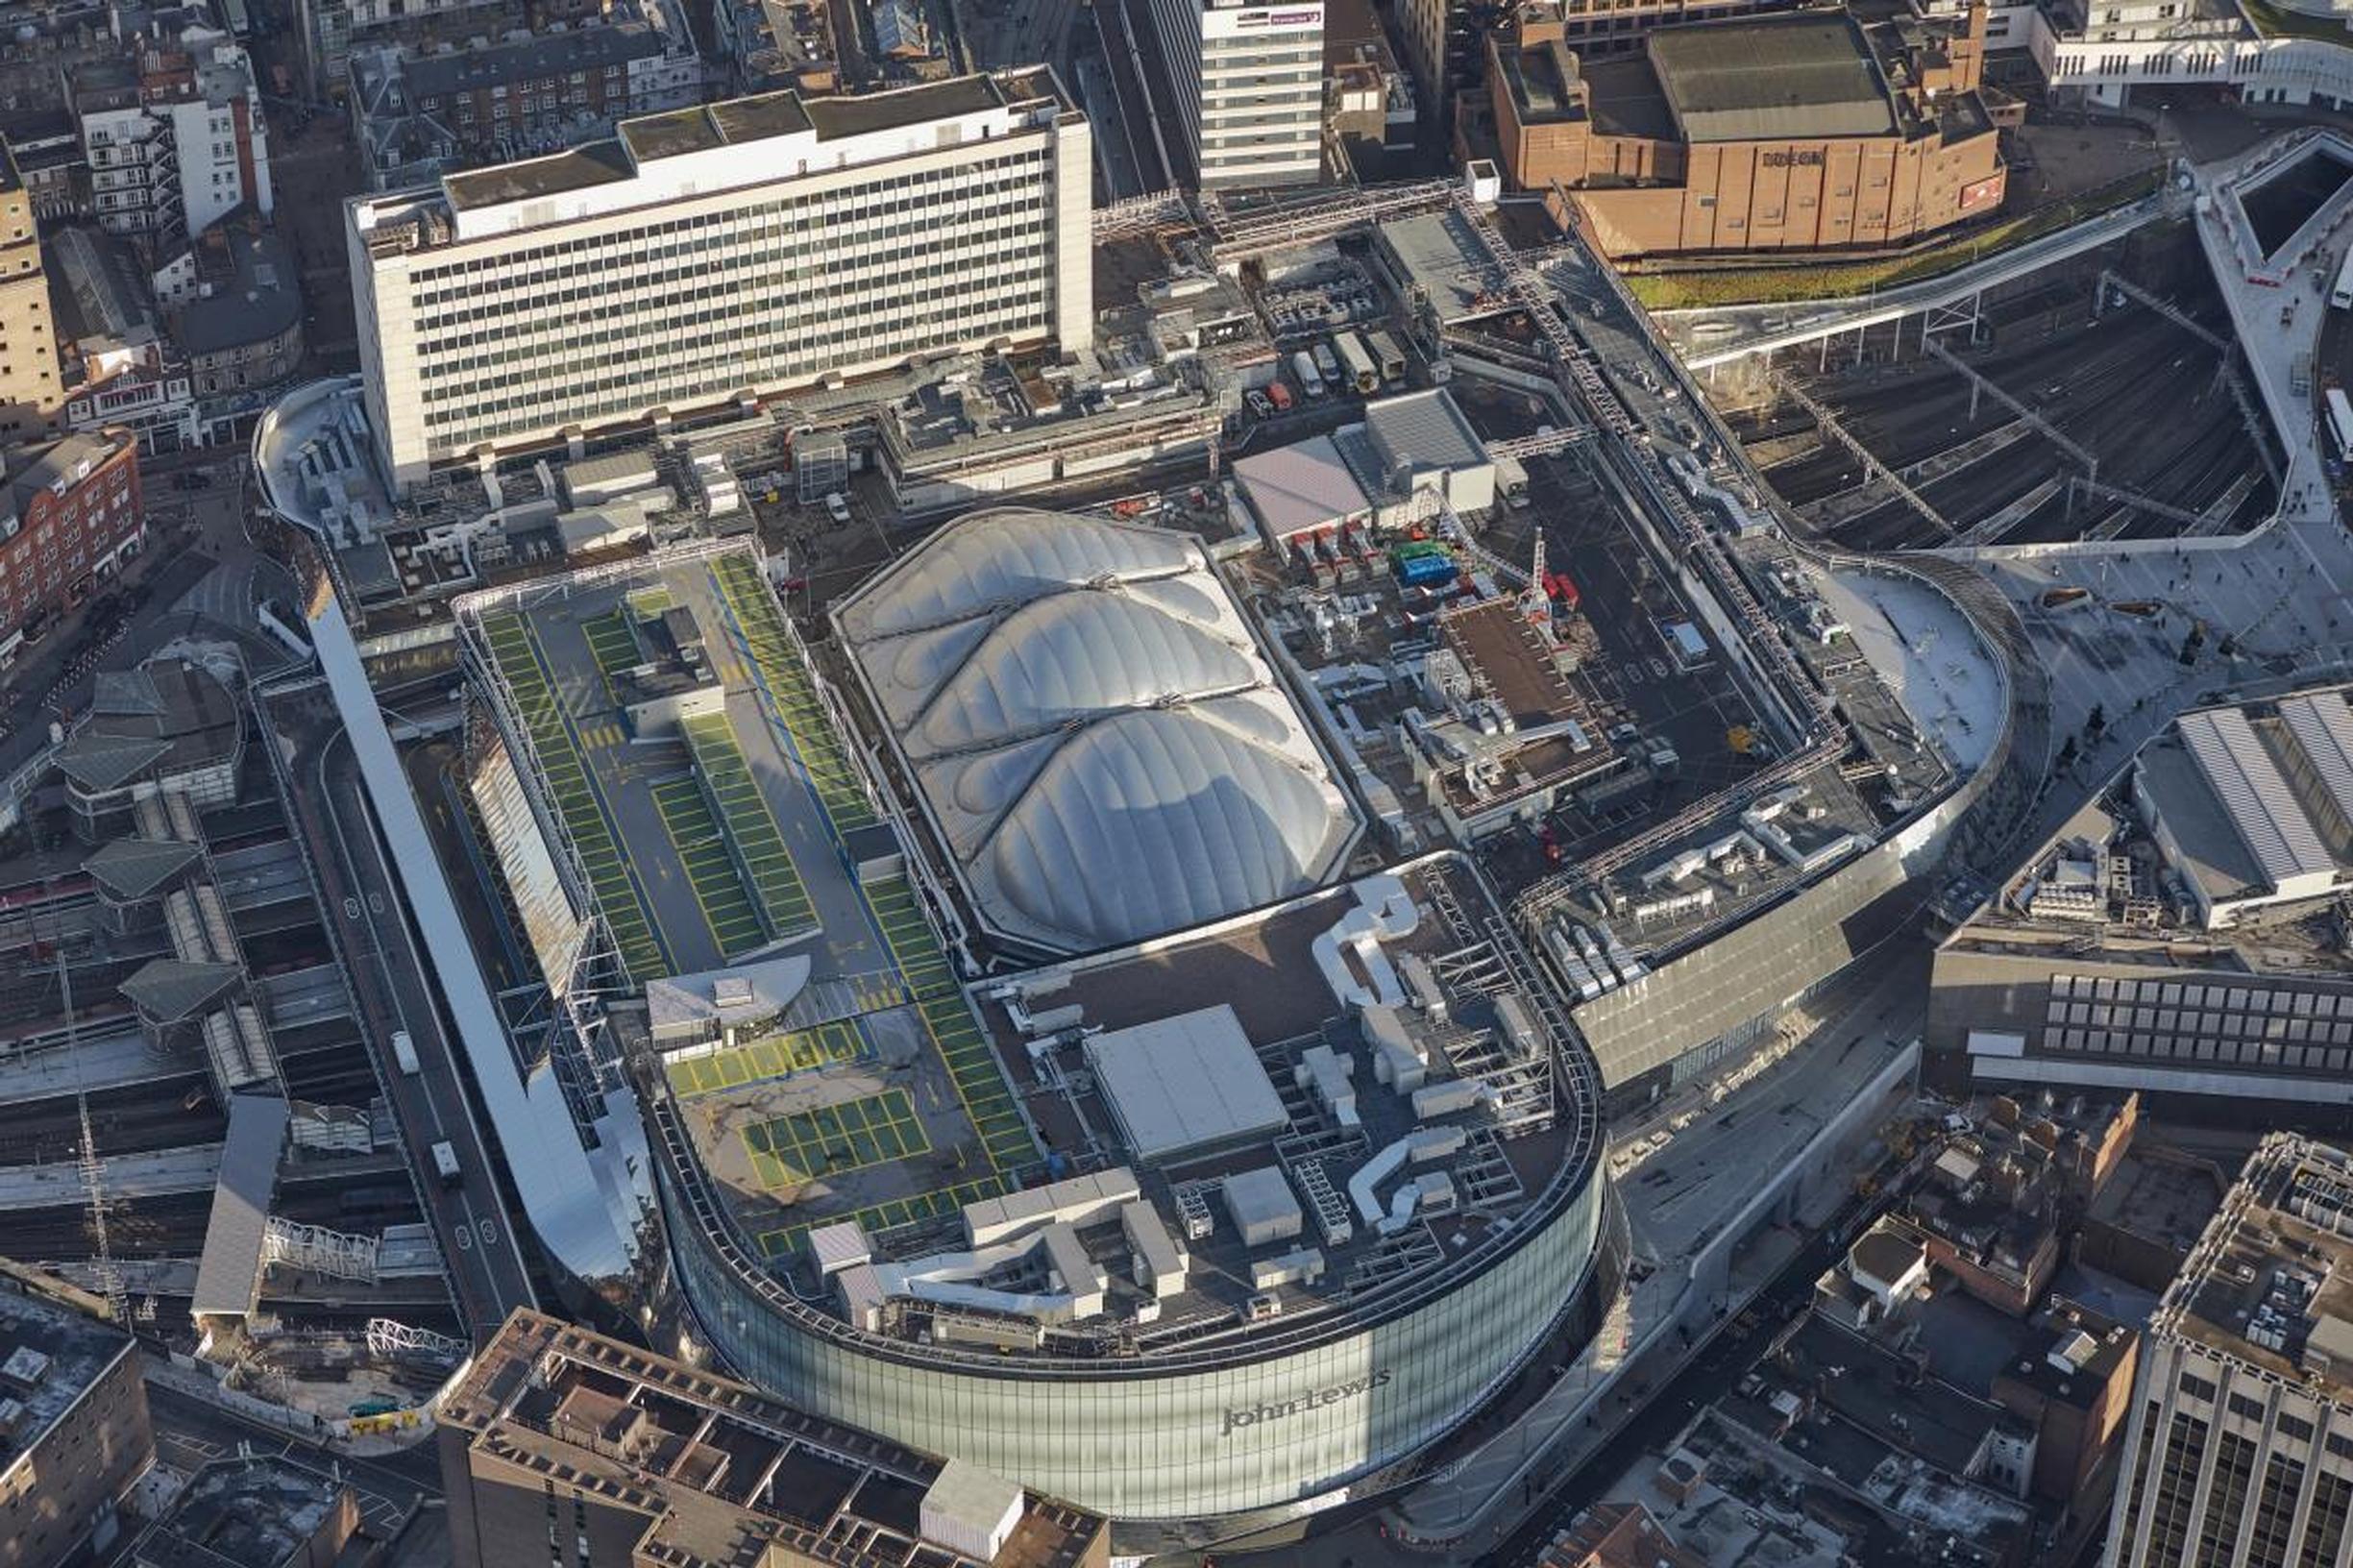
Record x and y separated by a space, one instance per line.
1033 784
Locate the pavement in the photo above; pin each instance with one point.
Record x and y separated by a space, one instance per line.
478 1241
2281 596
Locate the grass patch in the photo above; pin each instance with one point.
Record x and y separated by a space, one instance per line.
1825 280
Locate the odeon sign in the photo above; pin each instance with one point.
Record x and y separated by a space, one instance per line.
1251 1415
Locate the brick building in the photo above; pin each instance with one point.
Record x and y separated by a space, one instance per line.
80 1433
2077 1394
417 115
70 514
626 1459
1803 132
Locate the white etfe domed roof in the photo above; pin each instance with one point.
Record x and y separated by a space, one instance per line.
1069 695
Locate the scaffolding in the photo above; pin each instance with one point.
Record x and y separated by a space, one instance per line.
313 1249
391 1340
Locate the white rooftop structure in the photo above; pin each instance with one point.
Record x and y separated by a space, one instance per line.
970 1510
1424 427
1302 488
1185 1083
2256 795
1092 729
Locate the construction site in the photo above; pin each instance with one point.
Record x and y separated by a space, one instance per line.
196 1126
2104 398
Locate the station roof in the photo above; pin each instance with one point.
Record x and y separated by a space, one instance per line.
172 988
2256 795
1803 76
2322 724
228 1270
1071 695
170 715
135 868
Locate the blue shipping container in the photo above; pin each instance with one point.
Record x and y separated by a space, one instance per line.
1416 570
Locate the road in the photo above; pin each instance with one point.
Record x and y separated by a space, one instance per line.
1707 1378
362 897
191 1433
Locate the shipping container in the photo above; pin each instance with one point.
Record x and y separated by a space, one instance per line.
1418 571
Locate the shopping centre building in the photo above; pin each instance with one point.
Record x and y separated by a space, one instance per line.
1812 131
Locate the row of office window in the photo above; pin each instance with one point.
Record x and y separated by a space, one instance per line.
463 279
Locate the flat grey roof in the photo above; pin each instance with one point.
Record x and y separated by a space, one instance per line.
1185 1082
2211 849
650 138
1626 100
1810 74
1301 486
865 113
262 299
1425 428
1438 252
228 1273
597 163
78 1351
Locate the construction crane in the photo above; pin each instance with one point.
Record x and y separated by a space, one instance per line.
93 1170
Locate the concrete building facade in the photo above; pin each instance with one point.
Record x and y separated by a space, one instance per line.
176 139
30 389
1248 82
1786 132
716 254
2241 1444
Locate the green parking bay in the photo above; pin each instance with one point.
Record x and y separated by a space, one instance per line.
790 1150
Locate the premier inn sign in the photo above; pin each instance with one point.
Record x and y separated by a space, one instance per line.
1252 1415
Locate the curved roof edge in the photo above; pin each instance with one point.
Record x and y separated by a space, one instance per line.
562 1195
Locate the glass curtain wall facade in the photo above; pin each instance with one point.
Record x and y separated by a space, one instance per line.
1215 1435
